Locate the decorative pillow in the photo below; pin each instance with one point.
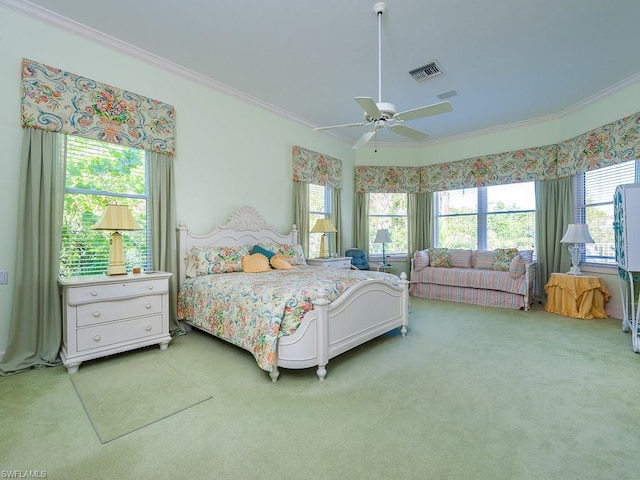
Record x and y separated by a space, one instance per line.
527 255
502 259
460 258
420 260
255 263
262 250
293 251
280 262
517 266
218 259
439 257
484 259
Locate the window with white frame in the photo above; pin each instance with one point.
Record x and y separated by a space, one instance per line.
99 174
486 218
389 210
593 201
319 207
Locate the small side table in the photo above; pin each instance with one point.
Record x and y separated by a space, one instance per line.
577 296
331 262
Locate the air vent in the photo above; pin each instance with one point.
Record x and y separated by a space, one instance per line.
427 71
449 94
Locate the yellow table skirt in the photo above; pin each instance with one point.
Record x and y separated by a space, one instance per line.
577 296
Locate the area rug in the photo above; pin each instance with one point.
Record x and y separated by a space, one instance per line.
127 392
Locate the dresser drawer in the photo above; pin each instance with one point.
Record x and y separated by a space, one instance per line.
100 312
100 336
91 293
346 264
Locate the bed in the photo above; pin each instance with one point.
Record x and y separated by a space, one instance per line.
295 318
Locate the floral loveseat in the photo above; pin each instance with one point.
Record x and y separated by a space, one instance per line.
495 278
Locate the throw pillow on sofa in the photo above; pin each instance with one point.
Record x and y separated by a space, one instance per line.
484 259
517 266
439 257
502 259
460 258
420 260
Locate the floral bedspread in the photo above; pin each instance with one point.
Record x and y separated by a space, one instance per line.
252 310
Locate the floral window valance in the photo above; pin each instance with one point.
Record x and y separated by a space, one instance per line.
53 99
372 179
313 167
613 143
525 165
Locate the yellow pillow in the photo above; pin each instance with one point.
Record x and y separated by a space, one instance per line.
280 262
255 263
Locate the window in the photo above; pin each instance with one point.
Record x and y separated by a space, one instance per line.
98 174
593 200
319 207
389 210
486 218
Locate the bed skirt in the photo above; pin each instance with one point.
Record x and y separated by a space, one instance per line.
473 296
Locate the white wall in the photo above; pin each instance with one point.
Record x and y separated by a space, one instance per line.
229 152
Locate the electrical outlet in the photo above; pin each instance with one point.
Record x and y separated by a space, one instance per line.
4 278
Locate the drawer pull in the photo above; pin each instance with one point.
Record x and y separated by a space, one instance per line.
96 314
147 305
94 293
150 287
97 338
148 328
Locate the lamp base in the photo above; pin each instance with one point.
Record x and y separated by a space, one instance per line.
324 250
116 256
574 250
575 270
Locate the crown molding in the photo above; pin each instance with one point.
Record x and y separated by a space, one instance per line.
68 25
51 18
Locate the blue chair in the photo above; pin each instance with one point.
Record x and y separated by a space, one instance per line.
358 258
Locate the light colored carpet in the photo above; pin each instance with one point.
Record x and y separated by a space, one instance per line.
123 394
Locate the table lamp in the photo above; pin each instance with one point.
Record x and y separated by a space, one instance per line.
382 236
324 226
117 218
577 233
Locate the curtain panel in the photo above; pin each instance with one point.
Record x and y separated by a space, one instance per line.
59 101
313 167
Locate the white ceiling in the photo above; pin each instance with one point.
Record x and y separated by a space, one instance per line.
509 60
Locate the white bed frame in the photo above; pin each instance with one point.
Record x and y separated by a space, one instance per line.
365 311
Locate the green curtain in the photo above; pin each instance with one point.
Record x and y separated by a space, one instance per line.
420 220
336 219
301 214
35 331
555 199
361 221
163 226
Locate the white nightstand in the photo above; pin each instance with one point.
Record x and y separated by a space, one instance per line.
103 315
331 262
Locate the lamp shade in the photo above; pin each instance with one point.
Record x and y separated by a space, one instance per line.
323 225
577 233
382 236
116 217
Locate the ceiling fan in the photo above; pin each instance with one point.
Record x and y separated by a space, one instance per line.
383 114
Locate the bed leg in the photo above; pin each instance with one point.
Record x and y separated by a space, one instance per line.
274 374
321 372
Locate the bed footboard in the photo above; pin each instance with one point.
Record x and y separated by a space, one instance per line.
364 312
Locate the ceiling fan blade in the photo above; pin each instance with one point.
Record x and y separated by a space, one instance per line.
435 109
361 124
366 136
369 106
408 132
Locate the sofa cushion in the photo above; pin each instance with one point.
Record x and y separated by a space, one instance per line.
502 259
471 278
439 257
460 258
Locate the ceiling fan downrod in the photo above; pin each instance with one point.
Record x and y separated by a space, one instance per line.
379 8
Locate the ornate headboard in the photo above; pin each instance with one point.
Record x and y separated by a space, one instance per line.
245 227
